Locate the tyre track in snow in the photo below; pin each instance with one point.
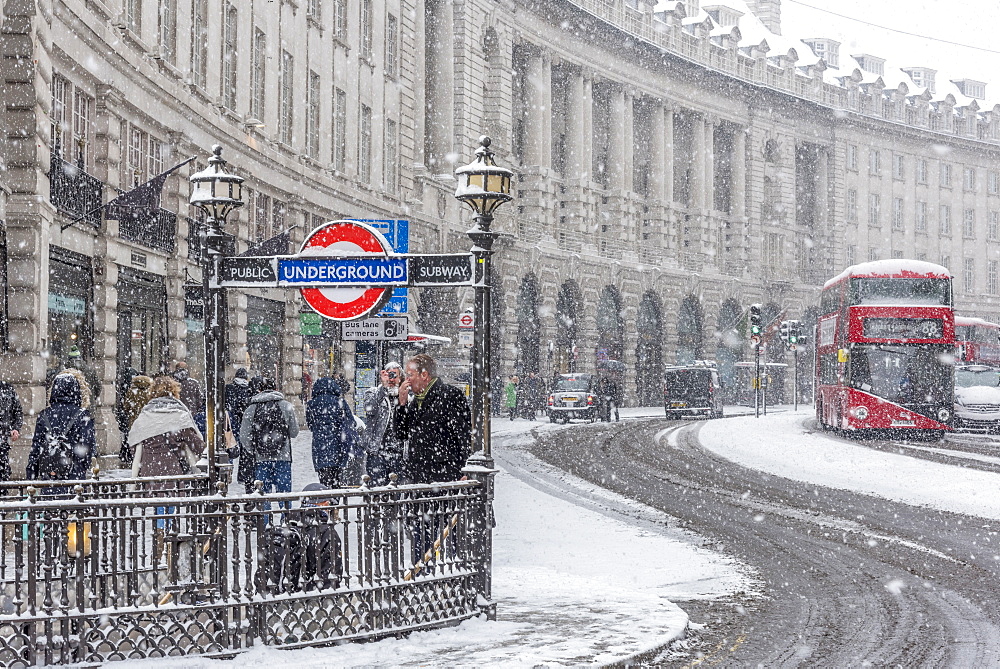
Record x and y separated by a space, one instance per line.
850 579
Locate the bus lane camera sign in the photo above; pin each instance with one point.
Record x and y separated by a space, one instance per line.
385 329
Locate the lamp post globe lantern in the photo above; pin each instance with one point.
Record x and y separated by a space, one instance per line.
484 186
218 193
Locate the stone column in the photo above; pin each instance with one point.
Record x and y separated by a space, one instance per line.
698 150
587 127
440 86
616 139
739 174
535 112
667 164
628 143
709 183
657 131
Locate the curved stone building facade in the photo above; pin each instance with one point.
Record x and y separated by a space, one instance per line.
670 171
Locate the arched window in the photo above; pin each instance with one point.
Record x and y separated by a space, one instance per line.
649 351
689 331
529 326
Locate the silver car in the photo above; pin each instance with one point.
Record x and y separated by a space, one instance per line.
977 397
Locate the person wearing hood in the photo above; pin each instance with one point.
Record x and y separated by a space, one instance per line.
11 422
238 395
192 393
164 438
266 432
246 470
64 442
335 440
135 398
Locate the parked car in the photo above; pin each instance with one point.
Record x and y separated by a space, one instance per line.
693 390
573 396
977 397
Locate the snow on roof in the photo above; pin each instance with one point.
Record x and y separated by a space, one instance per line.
896 267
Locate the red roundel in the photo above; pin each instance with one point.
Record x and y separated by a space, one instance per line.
345 238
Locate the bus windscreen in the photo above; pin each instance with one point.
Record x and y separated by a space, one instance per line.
876 291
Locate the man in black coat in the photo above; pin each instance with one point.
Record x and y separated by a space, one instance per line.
436 421
11 422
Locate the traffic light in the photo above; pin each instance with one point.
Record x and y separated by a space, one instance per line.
800 338
786 331
794 330
755 324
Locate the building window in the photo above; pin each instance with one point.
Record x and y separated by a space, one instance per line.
133 15
969 179
81 150
852 254
944 216
898 167
286 101
339 156
391 45
969 274
921 222
367 30
874 209
872 253
945 175
874 162
896 255
993 231
852 205
993 183
168 30
991 277
137 163
774 254
230 51
314 10
312 118
257 74
277 218
969 224
852 157
897 213
262 218
365 145
340 18
199 42
921 171
921 256
391 160
60 114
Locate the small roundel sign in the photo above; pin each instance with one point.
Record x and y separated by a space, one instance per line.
345 238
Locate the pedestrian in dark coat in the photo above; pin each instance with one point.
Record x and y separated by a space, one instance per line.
246 470
63 421
384 449
164 436
238 395
532 391
138 393
436 421
274 469
335 440
192 391
11 422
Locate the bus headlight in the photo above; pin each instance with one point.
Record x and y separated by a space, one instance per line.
943 415
861 413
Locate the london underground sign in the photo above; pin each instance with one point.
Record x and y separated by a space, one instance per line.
344 238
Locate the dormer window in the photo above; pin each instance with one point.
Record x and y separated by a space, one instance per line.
971 88
922 76
827 49
872 64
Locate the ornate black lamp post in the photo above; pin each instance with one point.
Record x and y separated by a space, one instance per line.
484 187
218 193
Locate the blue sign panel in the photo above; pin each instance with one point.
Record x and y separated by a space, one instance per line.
346 271
397 233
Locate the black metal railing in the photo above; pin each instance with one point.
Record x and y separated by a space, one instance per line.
156 232
73 192
159 575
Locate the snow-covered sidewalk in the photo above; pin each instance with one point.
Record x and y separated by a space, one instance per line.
574 584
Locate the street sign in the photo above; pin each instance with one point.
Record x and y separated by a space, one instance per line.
247 271
387 329
397 232
441 269
466 321
346 238
755 340
466 339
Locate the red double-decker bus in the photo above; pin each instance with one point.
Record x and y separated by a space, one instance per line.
977 342
885 344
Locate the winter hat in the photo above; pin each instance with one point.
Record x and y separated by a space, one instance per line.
242 373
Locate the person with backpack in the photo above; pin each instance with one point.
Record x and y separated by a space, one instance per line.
305 553
246 469
268 427
64 442
164 437
335 440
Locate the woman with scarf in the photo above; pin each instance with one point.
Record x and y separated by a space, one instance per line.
164 437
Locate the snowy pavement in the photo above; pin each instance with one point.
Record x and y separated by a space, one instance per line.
574 584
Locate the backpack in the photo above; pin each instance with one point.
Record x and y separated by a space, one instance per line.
283 549
57 460
270 430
